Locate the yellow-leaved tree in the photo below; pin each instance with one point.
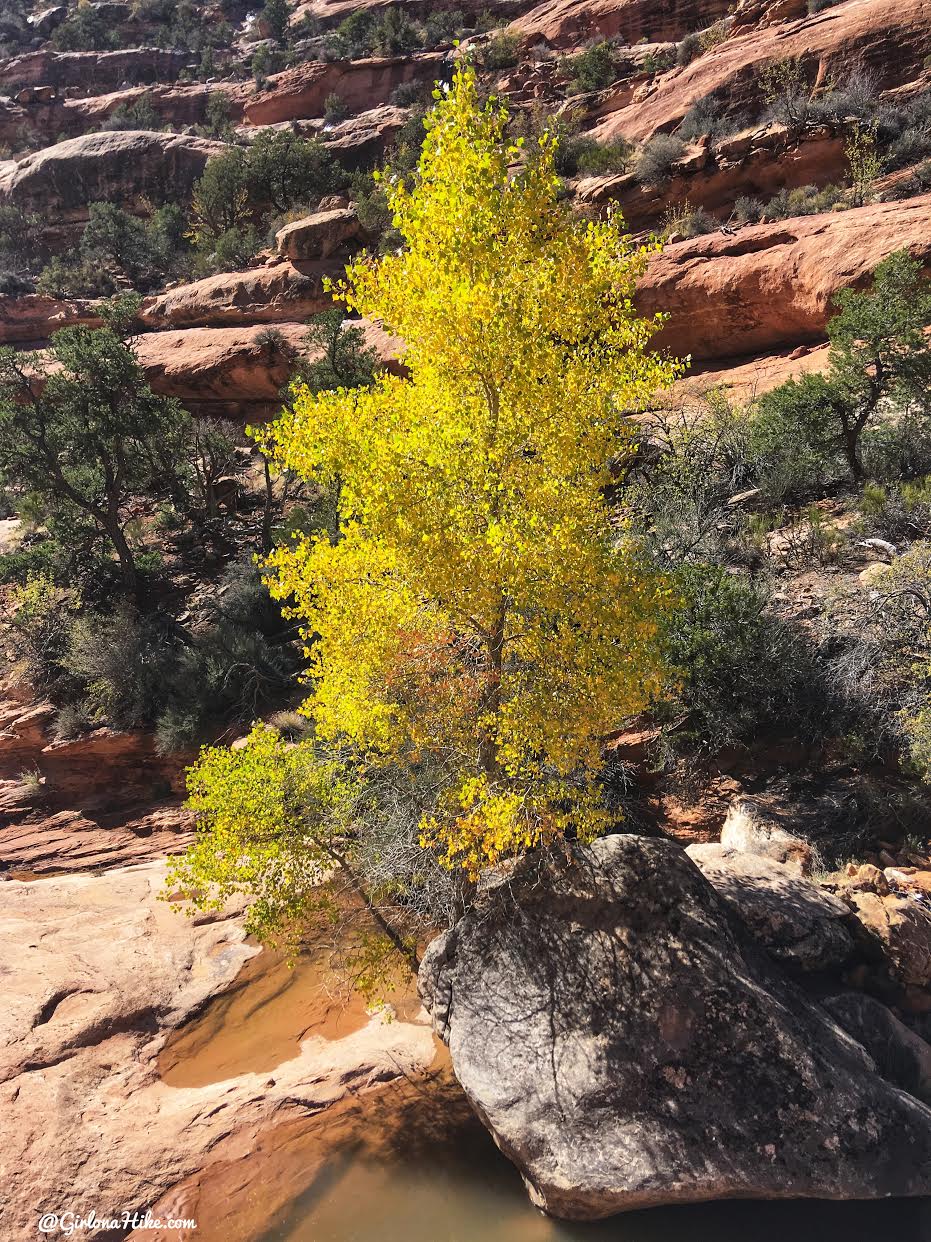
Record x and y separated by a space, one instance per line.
477 603
473 616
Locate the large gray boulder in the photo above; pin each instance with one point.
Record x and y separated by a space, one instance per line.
900 1054
800 924
627 1048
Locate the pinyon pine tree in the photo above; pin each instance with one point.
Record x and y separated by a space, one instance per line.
474 615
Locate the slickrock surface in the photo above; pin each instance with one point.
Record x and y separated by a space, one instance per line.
886 37
770 285
133 167
97 973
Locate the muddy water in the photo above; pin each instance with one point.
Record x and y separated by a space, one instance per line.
262 1021
409 1162
449 1183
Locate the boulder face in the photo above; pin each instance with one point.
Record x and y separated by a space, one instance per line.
567 23
749 829
360 141
301 92
770 163
33 317
900 1055
230 372
771 285
283 293
800 925
238 372
627 1049
175 105
887 38
101 70
131 167
318 235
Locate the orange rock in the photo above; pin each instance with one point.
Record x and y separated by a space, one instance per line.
901 928
225 371
33 318
236 372
285 293
317 236
772 285
175 105
773 164
301 91
106 70
568 23
889 38
748 378
132 167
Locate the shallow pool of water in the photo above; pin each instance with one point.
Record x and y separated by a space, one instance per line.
261 1022
410 1162
439 1178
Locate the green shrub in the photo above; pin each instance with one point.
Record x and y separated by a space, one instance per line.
217 113
139 115
365 33
657 62
912 145
442 27
580 156
897 445
698 41
806 200
692 460
70 276
12 284
793 442
744 673
747 210
785 88
687 49
41 611
132 670
655 160
232 250
709 117
20 239
712 35
275 16
85 30
341 358
500 52
686 221
334 108
897 511
896 643
245 186
591 70
122 662
186 28
407 94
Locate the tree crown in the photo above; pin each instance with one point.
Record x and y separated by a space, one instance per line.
476 602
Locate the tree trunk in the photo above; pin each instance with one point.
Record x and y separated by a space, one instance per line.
127 560
490 704
852 453
268 510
